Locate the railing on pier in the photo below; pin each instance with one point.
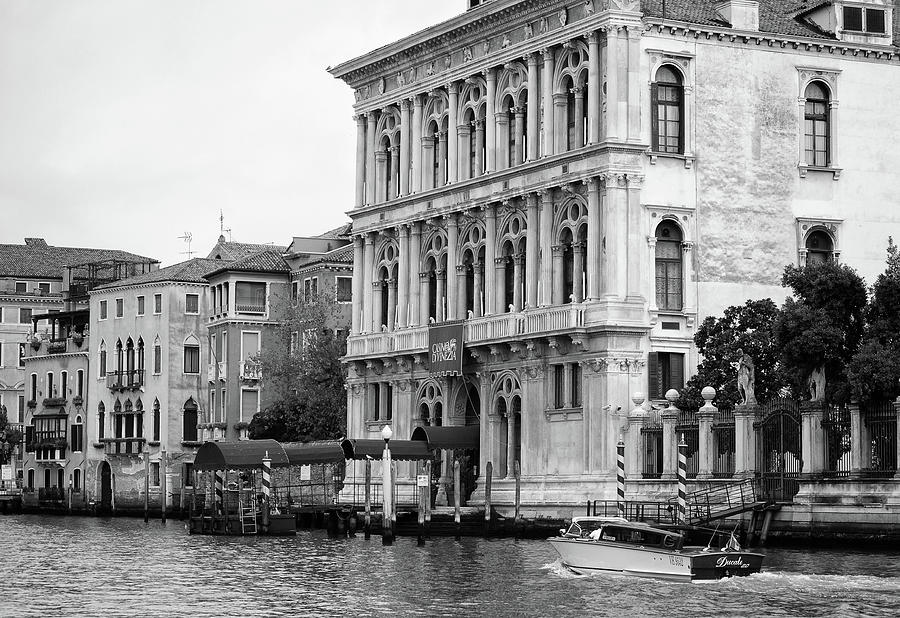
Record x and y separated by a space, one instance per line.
722 500
649 512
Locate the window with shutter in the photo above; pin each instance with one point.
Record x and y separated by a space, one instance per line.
654 384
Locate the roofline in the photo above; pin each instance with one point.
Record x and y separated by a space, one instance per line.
139 284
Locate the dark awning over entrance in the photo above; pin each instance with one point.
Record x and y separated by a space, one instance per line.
305 453
400 449
448 437
241 455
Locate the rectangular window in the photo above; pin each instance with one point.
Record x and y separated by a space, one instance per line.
33 387
140 305
295 290
344 287
77 437
192 359
80 385
157 359
102 363
188 475
559 386
103 310
875 21
192 303
665 372
576 385
249 404
21 287
21 409
853 18
21 355
154 474
43 288
249 344
212 400
49 392
250 297
64 384
157 303
24 315
223 403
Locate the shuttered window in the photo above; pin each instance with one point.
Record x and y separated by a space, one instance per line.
665 371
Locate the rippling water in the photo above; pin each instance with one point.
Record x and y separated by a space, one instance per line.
121 567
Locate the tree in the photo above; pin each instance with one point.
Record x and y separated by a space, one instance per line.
874 371
821 327
747 328
10 437
303 368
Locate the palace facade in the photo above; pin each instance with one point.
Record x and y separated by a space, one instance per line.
579 183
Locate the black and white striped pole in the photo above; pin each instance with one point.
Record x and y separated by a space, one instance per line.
682 480
219 492
620 478
266 490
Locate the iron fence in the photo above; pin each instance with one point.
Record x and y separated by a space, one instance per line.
723 443
688 429
880 444
838 439
652 444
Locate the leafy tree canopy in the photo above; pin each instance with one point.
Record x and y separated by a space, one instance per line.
10 437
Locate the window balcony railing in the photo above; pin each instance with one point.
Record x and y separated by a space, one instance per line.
251 370
223 371
125 380
252 308
124 446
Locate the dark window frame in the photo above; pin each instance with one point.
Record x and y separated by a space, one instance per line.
666 101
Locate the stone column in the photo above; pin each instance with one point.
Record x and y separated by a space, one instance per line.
595 225
577 272
546 235
633 105
424 298
391 318
706 448
534 109
669 418
452 263
689 294
378 318
392 180
360 160
371 120
517 281
634 248
416 144
412 266
405 140
612 83
441 303
403 278
478 302
532 251
429 158
559 290
442 155
464 131
615 236
634 451
519 135
368 275
461 299
579 116
500 286
358 268
594 87
651 284
510 444
812 444
547 83
857 443
381 179
479 147
560 126
491 123
453 139
501 150
744 442
491 283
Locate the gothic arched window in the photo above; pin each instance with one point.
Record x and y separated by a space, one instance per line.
667 105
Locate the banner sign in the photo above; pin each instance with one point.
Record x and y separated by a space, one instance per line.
445 349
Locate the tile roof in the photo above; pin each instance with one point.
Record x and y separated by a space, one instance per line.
338 232
269 261
235 250
37 259
190 271
341 255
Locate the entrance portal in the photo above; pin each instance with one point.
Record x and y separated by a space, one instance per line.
105 487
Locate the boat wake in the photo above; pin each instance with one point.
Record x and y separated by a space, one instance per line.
558 568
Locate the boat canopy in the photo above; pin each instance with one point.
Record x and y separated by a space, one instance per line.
240 455
448 437
305 453
372 449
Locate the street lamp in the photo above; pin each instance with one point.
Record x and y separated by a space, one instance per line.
387 528
386 434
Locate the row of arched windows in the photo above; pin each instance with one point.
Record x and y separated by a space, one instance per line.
127 420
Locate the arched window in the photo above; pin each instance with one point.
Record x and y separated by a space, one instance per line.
669 273
472 129
667 106
120 360
80 383
101 421
139 418
508 406
77 431
431 404
189 421
156 420
510 265
102 359
472 296
76 479
570 254
433 277
31 478
512 111
191 355
140 360
819 248
817 118
385 292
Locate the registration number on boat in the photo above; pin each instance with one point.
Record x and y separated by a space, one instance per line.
676 561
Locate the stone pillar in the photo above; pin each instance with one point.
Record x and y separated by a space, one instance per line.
478 128
442 155
452 263
464 131
358 268
577 272
612 83
651 280
594 88
441 301
453 138
560 126
518 158
370 157
368 275
416 145
424 298
633 105
634 451
360 160
670 440
534 109
897 412
579 117
546 235
377 295
391 318
429 158
500 285
615 236
392 180
634 247
478 302
559 291
405 140
381 177
412 267
531 249
490 250
491 123
517 281
547 83
744 442
857 443
510 443
706 448
403 278
503 155
812 444
461 298
595 225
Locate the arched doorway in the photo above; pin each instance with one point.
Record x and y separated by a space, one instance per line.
780 455
105 474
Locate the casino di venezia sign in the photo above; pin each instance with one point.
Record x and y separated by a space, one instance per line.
445 349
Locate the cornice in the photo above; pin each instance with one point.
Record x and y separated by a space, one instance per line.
149 284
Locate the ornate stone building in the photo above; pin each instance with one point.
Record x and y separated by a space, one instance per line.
580 182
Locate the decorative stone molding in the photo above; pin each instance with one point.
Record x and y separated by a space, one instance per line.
564 414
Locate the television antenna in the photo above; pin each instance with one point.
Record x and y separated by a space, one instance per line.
222 228
188 237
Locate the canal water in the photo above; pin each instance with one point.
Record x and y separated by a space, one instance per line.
55 566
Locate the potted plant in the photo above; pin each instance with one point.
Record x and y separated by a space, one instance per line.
77 400
243 429
35 343
78 338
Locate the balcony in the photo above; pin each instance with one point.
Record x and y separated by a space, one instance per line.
211 372
251 370
125 380
223 371
124 446
254 308
55 402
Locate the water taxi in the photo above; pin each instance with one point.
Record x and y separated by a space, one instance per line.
593 544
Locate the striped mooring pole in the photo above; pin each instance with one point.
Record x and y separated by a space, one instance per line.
266 490
219 493
620 478
682 480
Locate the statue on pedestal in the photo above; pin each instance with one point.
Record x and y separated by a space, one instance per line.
746 379
817 384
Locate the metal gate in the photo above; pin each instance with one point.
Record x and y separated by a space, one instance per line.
779 456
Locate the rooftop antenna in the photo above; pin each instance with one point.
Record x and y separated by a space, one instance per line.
222 228
188 237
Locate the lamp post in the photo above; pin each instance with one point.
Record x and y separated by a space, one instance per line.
387 531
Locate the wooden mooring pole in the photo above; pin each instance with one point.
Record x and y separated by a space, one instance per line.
489 468
162 483
422 488
368 523
456 491
387 532
146 485
428 465
516 521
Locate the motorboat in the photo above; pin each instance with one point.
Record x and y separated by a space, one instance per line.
614 544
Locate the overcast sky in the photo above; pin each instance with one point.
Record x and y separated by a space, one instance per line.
126 123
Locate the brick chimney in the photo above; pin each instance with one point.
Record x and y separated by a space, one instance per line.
741 14
36 243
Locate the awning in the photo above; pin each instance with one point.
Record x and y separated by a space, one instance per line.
449 437
305 453
240 455
400 449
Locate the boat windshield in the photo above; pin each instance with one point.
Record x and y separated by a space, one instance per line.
583 528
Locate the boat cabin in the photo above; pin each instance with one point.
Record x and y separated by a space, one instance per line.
619 530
